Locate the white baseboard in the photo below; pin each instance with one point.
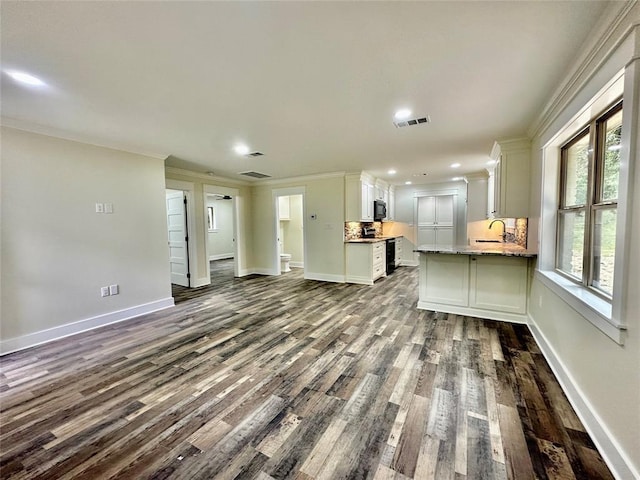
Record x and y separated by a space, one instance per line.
615 458
32 339
474 312
296 264
220 256
358 280
323 277
408 263
264 271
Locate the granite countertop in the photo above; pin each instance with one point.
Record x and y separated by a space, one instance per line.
505 249
372 240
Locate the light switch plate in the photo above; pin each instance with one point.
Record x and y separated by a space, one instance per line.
108 208
104 291
114 290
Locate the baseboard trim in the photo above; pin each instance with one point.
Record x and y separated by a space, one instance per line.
220 256
323 277
358 280
44 336
296 264
615 458
474 312
408 263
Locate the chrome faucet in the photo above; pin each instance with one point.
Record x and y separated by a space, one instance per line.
504 229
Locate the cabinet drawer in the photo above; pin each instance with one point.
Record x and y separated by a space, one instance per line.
378 258
378 271
378 247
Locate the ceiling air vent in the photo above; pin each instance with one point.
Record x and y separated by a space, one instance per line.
255 154
255 174
414 121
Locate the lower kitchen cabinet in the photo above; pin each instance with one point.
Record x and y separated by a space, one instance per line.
485 286
366 262
398 257
498 283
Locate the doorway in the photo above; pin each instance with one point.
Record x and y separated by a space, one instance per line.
223 255
290 229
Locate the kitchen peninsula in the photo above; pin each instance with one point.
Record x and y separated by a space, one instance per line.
482 281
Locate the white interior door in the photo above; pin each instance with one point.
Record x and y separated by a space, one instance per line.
178 237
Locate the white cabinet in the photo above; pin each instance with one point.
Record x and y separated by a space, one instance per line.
366 262
398 257
485 286
511 178
435 220
436 210
391 203
498 283
439 236
359 197
477 193
446 280
284 208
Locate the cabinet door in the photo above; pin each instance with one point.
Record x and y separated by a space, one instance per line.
444 236
499 283
447 279
444 210
284 208
426 235
367 202
426 211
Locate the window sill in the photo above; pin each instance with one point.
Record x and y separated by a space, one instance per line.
587 304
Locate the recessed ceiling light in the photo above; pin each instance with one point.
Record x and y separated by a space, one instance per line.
455 165
407 183
241 149
456 179
25 78
402 114
392 172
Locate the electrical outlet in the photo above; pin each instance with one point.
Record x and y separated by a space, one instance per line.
104 291
114 289
99 207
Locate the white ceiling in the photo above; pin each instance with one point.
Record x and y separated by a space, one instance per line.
312 85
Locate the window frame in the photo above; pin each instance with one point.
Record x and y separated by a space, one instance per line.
595 129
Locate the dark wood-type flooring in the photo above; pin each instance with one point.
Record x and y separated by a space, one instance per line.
265 377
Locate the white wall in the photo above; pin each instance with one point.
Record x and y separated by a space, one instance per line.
292 231
221 240
602 377
324 197
57 251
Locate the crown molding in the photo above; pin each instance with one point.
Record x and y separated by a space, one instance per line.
205 176
583 69
75 137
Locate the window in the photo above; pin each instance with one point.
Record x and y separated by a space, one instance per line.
588 201
211 219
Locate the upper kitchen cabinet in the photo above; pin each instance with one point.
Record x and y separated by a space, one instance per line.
359 197
477 193
508 194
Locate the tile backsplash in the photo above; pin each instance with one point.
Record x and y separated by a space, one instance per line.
353 230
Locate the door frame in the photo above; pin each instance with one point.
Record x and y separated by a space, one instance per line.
234 193
188 190
286 192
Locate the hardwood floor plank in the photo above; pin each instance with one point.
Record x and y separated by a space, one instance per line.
284 378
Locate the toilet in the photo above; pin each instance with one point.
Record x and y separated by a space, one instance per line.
285 258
